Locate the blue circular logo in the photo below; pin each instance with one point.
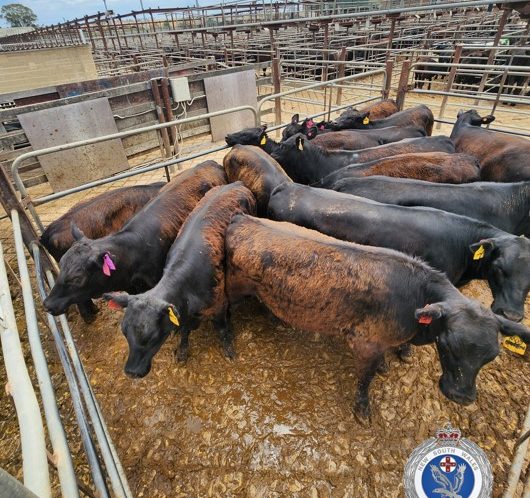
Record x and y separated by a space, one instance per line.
448 475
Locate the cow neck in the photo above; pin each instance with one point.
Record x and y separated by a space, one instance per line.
345 157
459 126
270 147
129 248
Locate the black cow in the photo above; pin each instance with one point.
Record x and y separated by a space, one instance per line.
192 286
308 163
462 247
503 205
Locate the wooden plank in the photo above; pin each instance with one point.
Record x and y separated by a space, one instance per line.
12 138
226 91
71 123
35 180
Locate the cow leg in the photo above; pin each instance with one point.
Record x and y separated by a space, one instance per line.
404 352
221 323
368 357
182 352
88 311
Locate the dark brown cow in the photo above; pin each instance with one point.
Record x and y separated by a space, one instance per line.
99 216
192 287
502 158
439 167
381 110
420 117
133 258
258 171
374 298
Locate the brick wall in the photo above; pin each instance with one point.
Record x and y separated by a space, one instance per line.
30 69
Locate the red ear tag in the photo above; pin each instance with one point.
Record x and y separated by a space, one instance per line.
425 319
113 305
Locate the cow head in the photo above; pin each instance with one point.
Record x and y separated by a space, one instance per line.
248 136
84 273
473 118
466 336
147 323
293 128
505 262
351 119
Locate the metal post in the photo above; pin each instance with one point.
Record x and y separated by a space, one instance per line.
277 89
342 68
89 31
518 460
390 37
154 28
491 57
161 119
449 83
389 67
403 84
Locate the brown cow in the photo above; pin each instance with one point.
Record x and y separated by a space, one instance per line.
374 298
98 216
192 287
503 158
133 258
381 109
439 167
258 171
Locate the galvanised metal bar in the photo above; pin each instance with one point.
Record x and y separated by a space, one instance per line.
117 477
518 461
20 159
56 433
32 439
79 410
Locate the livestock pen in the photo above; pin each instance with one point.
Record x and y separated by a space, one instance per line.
277 420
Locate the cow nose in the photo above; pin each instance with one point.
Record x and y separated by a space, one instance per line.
514 316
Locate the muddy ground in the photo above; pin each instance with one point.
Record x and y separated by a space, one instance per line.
277 421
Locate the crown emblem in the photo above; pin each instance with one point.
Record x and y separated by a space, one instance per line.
448 436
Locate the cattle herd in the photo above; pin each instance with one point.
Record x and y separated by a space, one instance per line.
360 228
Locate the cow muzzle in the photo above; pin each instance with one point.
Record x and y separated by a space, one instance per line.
460 396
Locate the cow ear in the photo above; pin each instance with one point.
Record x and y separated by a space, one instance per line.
429 313
295 119
460 112
312 132
487 119
482 249
510 328
300 142
263 127
117 300
77 234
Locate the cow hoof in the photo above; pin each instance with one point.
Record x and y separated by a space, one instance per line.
404 353
89 316
182 355
229 352
362 414
383 367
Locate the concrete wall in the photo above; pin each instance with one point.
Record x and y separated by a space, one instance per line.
30 69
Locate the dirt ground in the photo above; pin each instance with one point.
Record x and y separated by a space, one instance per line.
277 420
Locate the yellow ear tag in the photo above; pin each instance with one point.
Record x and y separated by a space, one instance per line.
172 317
300 145
263 140
366 120
514 344
479 253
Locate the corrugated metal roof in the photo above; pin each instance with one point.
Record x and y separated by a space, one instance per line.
14 31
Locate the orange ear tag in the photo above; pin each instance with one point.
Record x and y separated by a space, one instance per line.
113 305
172 317
425 319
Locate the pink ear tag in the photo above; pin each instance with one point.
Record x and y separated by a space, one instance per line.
108 264
310 124
321 127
